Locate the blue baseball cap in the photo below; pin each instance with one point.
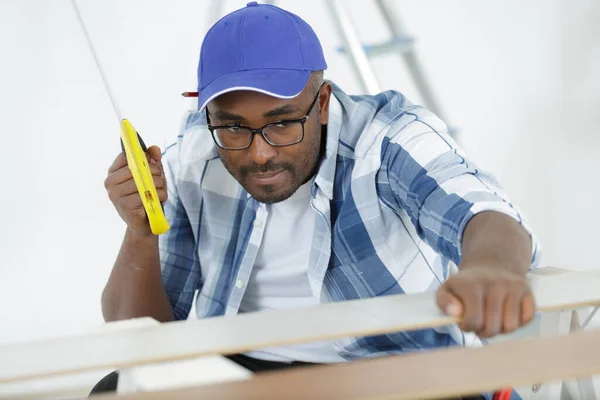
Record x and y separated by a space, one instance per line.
261 48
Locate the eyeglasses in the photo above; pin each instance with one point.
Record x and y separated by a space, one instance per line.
278 134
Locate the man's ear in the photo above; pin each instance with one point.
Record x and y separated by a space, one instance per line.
324 98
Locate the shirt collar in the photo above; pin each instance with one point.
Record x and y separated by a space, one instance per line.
326 173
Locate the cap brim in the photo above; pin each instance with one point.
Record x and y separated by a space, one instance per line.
283 84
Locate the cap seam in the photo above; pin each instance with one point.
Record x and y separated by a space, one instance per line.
295 28
242 38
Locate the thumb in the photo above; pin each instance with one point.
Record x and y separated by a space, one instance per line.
155 153
448 303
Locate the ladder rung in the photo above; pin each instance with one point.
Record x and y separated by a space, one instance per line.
397 44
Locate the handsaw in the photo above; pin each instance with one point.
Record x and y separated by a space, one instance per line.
134 148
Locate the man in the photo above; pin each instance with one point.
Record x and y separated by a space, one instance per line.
282 191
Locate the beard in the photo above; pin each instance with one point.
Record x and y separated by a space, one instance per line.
297 172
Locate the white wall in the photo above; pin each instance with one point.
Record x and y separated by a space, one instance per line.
521 80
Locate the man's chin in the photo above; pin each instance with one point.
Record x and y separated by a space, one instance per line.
269 194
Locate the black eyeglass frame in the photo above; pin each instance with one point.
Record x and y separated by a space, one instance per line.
252 131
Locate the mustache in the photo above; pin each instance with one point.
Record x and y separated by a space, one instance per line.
269 166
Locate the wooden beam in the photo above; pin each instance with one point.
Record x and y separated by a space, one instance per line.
229 335
435 374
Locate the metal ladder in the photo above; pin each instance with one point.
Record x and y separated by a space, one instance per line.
400 42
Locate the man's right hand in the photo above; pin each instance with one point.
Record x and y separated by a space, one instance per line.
124 194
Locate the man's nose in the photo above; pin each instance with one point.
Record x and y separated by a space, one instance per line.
261 151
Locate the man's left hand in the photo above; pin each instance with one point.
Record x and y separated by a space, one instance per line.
490 300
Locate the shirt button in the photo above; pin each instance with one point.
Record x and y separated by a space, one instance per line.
239 283
258 223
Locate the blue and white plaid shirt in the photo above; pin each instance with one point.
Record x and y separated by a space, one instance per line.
393 195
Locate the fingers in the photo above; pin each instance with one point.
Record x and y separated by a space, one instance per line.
527 308
473 304
155 153
119 163
509 309
456 298
124 194
495 315
448 303
470 295
162 195
512 311
491 304
129 187
133 202
118 176
123 174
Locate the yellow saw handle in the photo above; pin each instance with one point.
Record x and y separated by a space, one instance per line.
138 164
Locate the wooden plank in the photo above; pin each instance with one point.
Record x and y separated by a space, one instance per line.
177 374
229 335
550 271
435 374
568 290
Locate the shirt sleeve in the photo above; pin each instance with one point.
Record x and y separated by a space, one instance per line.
431 178
181 273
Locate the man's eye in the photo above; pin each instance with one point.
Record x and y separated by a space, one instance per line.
283 125
233 129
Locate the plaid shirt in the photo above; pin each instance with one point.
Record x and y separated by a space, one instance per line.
393 195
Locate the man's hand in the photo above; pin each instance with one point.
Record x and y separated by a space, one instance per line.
491 300
124 195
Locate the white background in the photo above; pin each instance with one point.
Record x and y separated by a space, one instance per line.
519 79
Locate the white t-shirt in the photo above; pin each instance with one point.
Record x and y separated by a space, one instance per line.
279 279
